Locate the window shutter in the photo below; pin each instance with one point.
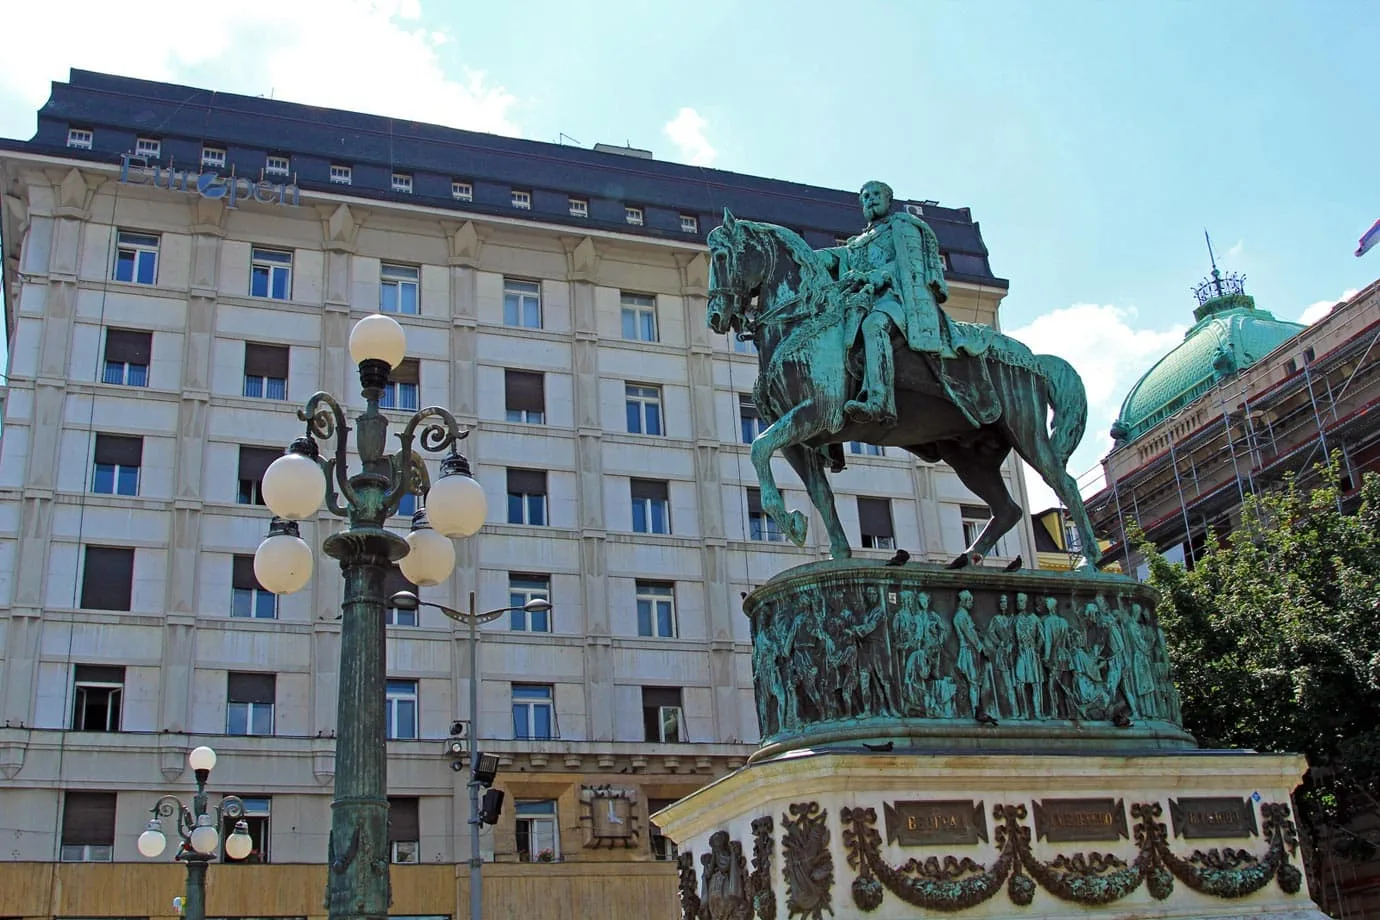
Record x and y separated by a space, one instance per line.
409 371
660 696
251 688
113 448
653 489
266 360
524 391
527 482
128 346
976 512
107 580
403 823
754 501
874 514
99 674
255 460
242 573
88 819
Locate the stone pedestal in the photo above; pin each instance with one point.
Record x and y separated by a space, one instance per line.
907 833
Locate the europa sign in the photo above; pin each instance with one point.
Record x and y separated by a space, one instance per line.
135 170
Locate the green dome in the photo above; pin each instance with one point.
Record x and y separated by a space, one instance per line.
1229 336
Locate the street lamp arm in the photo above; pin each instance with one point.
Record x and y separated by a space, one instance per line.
433 438
170 806
231 806
326 421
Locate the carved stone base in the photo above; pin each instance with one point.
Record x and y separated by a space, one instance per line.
859 833
920 657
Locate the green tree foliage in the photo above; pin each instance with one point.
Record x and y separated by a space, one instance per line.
1274 639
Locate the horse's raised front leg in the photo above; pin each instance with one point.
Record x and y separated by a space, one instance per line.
808 464
800 423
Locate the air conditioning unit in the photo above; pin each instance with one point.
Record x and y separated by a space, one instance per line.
915 210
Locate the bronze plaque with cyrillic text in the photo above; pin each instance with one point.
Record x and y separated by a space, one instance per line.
1057 820
948 822
1213 817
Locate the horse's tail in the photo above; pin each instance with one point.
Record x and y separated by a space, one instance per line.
1069 401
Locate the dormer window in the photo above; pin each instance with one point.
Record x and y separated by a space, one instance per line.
213 157
522 200
689 223
461 190
579 207
277 166
79 138
341 175
148 147
402 182
633 216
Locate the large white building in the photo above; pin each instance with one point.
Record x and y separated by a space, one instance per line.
166 321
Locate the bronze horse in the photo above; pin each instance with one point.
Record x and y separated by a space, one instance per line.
766 283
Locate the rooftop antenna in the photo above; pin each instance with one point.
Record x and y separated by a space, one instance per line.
562 137
1209 289
1211 258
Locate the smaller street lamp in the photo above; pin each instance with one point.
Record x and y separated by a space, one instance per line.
483 767
199 828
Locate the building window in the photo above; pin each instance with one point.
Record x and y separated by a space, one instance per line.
393 582
521 303
633 216
117 460
662 715
533 712
524 588
97 693
403 383
277 166
866 450
80 138
761 526
341 175
522 200
400 717
874 519
402 182
88 826
579 207
639 317
527 497
663 848
136 257
256 814
248 598
404 830
651 506
461 190
656 609
407 505
537 837
974 518
749 421
149 147
689 223
249 703
127 357
399 290
107 578
213 157
266 370
253 462
270 274
743 346
643 408
524 396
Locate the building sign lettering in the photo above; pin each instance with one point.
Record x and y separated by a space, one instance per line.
1213 817
1058 820
136 170
935 822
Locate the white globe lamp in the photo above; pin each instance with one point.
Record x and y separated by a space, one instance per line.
378 338
204 836
151 841
239 843
456 504
430 558
202 758
293 486
283 561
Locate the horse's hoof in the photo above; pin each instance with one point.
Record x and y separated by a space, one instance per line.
958 562
841 553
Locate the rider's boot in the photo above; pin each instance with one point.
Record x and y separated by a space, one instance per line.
879 378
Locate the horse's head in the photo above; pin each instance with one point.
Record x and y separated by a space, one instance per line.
737 267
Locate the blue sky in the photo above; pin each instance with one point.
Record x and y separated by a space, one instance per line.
1094 141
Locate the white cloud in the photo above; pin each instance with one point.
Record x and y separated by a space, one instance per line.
375 57
1316 311
1110 354
1235 252
686 131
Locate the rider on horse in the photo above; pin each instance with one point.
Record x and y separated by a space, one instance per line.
893 276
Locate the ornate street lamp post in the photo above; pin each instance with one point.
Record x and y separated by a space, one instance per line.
199 827
406 600
294 487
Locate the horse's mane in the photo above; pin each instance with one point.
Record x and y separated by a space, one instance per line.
814 276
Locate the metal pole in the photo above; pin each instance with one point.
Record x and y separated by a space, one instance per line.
195 908
476 861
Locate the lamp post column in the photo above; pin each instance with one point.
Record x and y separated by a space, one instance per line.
195 908
476 860
357 886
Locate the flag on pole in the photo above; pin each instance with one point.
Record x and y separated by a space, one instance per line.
1369 239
